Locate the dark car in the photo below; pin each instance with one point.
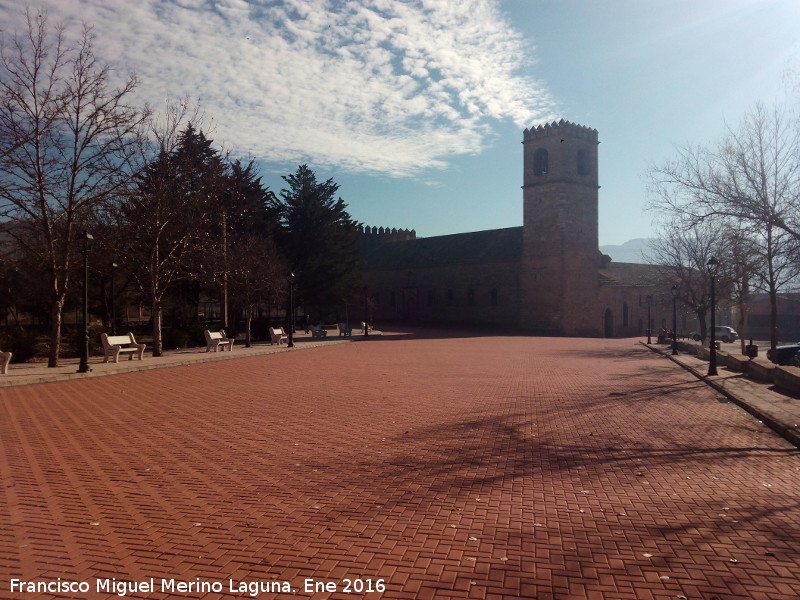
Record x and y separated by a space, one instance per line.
785 355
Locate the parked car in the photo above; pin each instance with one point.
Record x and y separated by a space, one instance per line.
721 332
785 355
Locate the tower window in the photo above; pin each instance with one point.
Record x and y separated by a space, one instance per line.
540 162
471 297
583 162
625 314
493 299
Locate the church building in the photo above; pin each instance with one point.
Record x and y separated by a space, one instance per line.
547 276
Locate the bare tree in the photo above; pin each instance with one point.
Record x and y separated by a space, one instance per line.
161 220
682 254
752 175
68 137
741 261
257 275
751 180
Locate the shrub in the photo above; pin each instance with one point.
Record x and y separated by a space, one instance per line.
95 329
172 338
196 337
21 344
259 329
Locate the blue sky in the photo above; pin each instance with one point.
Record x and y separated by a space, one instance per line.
416 108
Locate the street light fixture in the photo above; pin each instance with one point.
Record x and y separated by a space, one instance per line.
712 265
84 367
290 344
649 301
675 289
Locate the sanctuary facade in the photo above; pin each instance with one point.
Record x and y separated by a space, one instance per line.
546 276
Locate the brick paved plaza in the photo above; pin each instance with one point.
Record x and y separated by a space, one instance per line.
447 467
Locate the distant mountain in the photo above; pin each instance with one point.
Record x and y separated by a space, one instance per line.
632 251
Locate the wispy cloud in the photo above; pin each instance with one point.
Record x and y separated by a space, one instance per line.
383 86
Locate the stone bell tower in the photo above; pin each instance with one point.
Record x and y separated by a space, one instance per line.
560 257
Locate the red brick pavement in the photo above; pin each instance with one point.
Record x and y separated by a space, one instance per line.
473 467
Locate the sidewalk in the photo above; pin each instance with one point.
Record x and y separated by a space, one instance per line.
778 410
38 372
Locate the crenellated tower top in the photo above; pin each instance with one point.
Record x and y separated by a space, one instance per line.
560 128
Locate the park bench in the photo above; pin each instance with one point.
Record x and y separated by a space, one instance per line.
345 329
317 331
114 345
217 340
277 335
5 358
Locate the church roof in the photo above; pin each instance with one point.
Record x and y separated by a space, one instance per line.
630 274
494 245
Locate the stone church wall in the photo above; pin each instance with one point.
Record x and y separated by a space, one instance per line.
627 308
478 293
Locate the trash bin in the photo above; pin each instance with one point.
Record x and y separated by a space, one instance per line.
751 350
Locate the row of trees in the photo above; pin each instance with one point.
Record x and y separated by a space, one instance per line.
162 202
739 201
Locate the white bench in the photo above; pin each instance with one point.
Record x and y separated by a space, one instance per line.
114 345
345 329
277 335
217 340
5 358
318 331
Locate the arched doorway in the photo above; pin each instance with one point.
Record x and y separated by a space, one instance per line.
608 323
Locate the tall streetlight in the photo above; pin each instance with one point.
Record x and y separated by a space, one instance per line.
84 367
675 289
112 265
366 313
649 301
290 344
712 265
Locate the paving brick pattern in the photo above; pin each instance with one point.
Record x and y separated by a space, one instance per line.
448 467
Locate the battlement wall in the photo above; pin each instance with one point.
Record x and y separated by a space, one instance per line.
561 127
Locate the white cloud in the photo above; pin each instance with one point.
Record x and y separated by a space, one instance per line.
385 86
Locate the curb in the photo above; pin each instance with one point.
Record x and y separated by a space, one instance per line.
788 433
155 363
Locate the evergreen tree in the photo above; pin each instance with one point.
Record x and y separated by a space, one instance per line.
245 212
165 220
319 239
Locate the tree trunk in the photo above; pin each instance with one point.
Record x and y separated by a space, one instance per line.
56 316
742 327
224 270
701 318
248 321
158 346
773 318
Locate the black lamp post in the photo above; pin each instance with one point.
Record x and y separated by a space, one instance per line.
290 344
675 289
649 301
712 358
113 267
84 367
366 313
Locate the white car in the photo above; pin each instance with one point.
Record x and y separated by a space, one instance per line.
721 332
